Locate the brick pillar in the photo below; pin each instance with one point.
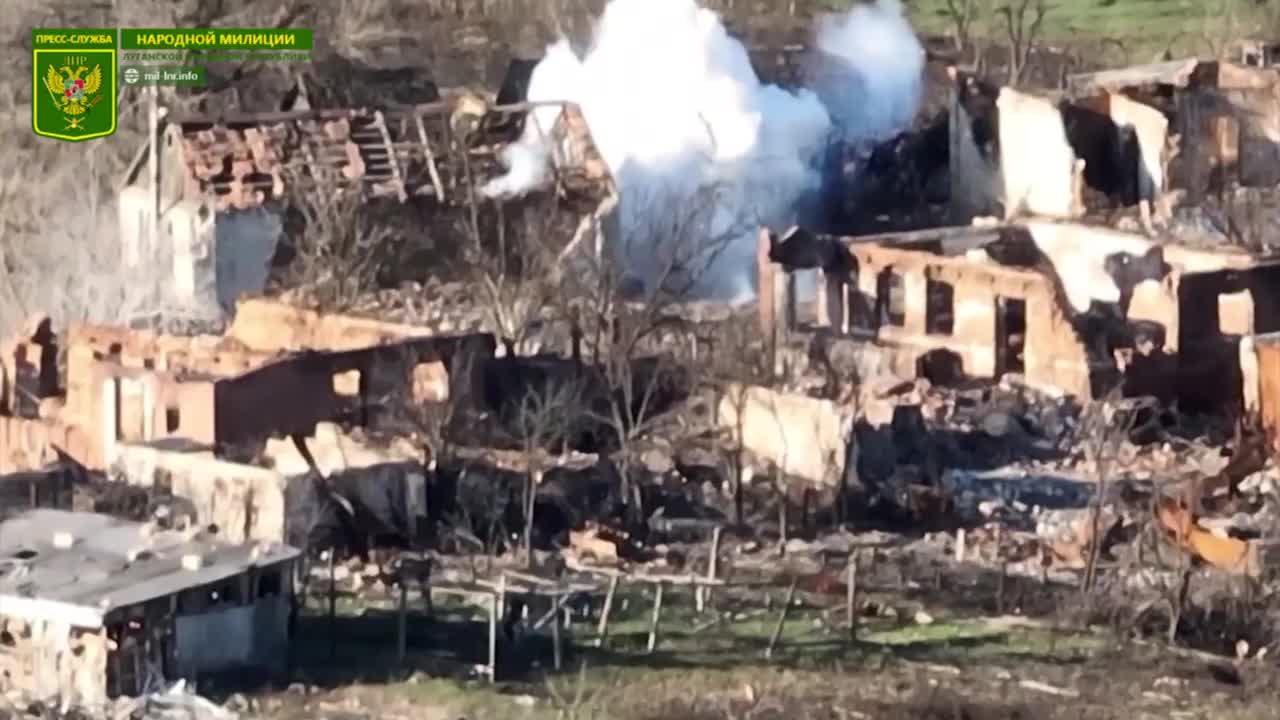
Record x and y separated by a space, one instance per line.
831 300
783 310
764 283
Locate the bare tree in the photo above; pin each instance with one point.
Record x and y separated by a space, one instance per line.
626 319
1220 28
1105 428
359 28
1022 32
544 421
963 14
340 248
510 260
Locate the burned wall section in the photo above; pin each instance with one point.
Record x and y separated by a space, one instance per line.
1218 311
1071 308
1122 143
1221 122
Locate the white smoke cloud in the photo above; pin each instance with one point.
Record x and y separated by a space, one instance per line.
700 149
871 73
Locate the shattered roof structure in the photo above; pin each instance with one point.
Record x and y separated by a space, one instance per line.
1174 73
246 160
79 567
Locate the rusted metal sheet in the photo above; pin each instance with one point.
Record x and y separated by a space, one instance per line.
1225 553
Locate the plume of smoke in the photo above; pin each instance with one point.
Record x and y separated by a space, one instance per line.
869 71
680 118
701 150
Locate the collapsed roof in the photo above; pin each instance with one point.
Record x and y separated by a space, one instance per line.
417 142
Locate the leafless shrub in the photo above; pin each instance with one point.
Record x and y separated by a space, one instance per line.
360 28
1220 28
623 317
509 260
1022 32
963 14
1105 428
340 248
544 420
583 704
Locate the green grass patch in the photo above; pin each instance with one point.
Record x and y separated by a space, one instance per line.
1138 29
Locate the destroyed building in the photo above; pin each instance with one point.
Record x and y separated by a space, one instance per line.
1056 286
1174 133
1074 259
92 607
1069 307
184 416
209 196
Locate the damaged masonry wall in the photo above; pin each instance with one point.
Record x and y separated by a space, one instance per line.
146 407
1130 135
1062 305
280 503
49 658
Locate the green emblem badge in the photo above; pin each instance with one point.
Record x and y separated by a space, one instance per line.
74 72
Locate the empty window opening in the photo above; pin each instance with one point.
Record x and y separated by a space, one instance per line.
347 383
1235 313
862 314
172 419
269 584
939 308
1011 335
891 298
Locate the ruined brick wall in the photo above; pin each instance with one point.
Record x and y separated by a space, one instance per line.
247 503
1230 123
1052 354
1260 136
267 325
30 369
53 660
217 355
32 444
270 325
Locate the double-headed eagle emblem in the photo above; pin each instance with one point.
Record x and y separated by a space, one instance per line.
73 92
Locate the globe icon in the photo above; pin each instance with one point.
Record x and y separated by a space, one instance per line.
131 75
